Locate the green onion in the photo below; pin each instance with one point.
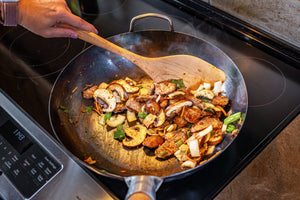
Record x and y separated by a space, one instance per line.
210 110
88 109
142 115
232 118
66 111
178 84
230 128
181 84
119 133
179 143
163 153
140 86
62 107
120 127
190 125
189 133
107 116
205 100
71 121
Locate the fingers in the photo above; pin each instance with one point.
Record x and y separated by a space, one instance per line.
79 23
59 32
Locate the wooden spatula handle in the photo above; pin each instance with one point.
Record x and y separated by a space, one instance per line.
95 39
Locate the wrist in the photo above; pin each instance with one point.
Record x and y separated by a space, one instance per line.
9 12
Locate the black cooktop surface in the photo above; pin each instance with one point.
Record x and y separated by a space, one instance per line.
29 65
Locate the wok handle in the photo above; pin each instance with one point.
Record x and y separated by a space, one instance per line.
142 187
133 20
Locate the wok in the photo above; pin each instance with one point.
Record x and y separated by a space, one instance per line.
81 133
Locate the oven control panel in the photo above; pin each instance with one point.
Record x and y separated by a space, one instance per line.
27 165
34 166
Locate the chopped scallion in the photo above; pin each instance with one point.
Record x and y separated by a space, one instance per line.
142 115
232 118
189 133
178 84
163 153
88 109
205 100
230 128
179 143
119 133
210 110
107 116
62 107
66 111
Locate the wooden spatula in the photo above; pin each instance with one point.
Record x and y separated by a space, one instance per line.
190 69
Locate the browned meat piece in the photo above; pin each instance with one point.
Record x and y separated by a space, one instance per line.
120 107
180 121
169 147
206 122
197 102
193 115
220 100
88 93
216 138
164 87
164 103
134 105
153 141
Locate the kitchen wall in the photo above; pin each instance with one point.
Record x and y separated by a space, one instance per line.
280 17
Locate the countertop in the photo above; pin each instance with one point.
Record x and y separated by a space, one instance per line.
273 174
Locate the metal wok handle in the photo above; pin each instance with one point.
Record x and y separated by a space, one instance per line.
142 187
133 20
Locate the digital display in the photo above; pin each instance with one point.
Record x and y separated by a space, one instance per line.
15 137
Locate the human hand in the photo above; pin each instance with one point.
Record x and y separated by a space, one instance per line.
42 16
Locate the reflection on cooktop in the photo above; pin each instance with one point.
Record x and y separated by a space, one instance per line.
36 54
261 89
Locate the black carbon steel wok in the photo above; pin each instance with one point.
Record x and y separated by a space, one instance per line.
81 133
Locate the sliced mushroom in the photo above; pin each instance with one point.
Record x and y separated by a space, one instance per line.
118 91
103 85
130 81
208 94
137 135
116 120
152 107
130 89
106 99
175 108
161 118
175 94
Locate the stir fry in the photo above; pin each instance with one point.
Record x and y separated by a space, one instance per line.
166 117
